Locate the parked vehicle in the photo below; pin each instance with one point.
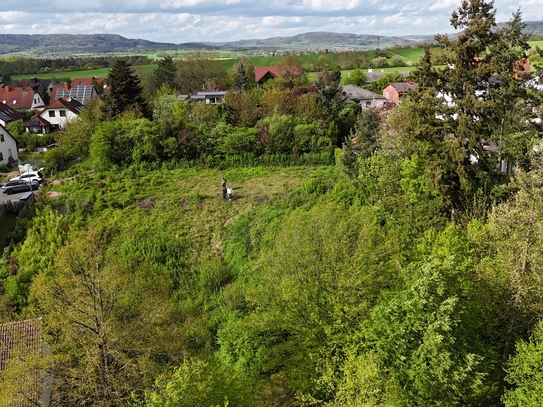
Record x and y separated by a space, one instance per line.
19 185
30 176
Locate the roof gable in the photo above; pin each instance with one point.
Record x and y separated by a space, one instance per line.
22 97
37 121
262 71
71 104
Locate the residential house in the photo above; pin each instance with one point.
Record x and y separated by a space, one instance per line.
54 116
95 81
393 92
365 98
81 93
21 342
21 98
8 147
39 85
264 73
209 97
8 115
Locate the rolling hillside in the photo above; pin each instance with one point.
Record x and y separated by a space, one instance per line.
50 44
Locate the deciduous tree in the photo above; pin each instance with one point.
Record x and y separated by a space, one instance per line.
199 71
101 313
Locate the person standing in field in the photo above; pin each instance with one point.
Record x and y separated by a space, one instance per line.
223 184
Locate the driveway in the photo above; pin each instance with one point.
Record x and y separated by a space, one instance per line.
12 197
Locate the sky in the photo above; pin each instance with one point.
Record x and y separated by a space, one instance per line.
180 21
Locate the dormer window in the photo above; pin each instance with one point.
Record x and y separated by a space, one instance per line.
51 113
62 113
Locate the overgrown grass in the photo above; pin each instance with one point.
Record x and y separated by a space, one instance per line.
6 228
185 202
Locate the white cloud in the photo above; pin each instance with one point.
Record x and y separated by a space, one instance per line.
175 4
9 16
179 21
388 7
396 19
326 5
444 4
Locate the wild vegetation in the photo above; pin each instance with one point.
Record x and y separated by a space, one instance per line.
379 257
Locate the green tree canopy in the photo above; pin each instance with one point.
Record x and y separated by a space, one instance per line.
125 91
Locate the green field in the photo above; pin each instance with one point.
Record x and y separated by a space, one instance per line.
229 58
87 73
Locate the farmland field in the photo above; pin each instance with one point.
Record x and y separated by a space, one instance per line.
230 58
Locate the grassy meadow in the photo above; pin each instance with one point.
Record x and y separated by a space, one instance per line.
187 202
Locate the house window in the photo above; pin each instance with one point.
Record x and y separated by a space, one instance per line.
51 113
1 156
1 137
62 113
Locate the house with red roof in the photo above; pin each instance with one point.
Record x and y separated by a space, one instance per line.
54 116
393 92
99 83
22 351
21 97
264 73
81 93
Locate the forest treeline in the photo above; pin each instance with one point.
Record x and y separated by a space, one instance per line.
378 257
32 66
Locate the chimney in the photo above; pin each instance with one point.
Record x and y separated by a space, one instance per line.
66 86
6 88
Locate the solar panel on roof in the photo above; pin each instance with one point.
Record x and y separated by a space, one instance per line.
81 93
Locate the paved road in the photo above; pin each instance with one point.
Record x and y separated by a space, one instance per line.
12 197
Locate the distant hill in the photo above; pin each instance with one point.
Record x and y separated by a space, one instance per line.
532 27
75 43
51 44
319 40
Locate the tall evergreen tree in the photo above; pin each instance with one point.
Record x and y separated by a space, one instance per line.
477 98
125 91
165 73
241 79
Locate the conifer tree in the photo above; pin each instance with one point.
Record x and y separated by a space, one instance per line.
241 79
477 99
165 73
125 91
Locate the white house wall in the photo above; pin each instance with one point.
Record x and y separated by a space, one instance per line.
57 119
37 101
8 146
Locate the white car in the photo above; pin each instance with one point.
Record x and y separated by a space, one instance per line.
30 176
